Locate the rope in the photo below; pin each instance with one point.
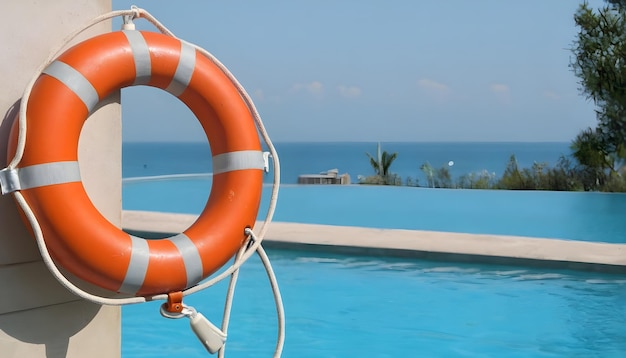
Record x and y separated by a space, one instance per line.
244 253
280 310
230 295
278 301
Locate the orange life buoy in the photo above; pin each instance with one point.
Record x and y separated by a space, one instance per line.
78 237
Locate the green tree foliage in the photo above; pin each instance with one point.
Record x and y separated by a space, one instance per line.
443 178
564 176
479 180
590 150
437 178
600 64
381 164
540 176
514 178
429 171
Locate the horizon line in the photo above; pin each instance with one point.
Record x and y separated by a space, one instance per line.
358 141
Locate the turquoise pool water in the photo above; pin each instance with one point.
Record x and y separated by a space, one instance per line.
342 306
599 217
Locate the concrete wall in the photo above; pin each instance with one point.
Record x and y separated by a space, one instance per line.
38 317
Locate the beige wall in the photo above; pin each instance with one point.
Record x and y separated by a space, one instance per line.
38 317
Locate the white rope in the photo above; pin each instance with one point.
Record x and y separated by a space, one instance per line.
230 295
278 301
242 256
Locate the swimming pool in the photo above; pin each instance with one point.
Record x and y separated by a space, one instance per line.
599 217
343 306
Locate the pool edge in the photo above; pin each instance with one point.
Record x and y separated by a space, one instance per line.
430 245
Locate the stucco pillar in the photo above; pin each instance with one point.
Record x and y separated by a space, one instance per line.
38 317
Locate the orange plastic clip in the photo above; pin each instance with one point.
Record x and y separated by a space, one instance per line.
174 302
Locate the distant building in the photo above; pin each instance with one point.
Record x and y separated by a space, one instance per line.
329 177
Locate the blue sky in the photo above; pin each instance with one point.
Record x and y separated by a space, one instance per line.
362 70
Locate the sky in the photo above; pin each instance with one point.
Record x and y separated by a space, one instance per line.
363 70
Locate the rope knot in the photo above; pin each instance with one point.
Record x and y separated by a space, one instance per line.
136 11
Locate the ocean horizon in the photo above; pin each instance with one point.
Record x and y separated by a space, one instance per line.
184 184
142 159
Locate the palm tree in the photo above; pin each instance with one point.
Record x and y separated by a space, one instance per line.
381 163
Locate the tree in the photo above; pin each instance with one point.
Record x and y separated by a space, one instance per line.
600 64
437 178
429 171
514 178
590 151
381 164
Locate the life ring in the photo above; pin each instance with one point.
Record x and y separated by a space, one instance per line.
78 237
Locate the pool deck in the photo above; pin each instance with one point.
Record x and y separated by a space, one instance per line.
446 246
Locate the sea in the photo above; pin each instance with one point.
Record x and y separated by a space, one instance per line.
151 159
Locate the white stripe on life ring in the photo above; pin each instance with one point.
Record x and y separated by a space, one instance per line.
239 160
141 55
137 267
75 81
38 175
184 70
191 257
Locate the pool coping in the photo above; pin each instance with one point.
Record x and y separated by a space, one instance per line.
431 245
